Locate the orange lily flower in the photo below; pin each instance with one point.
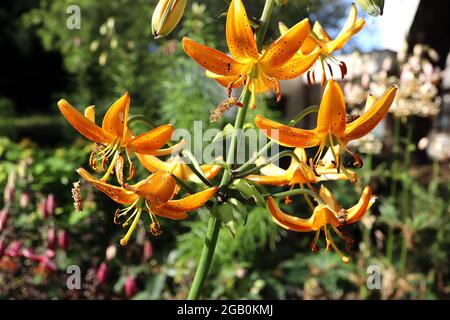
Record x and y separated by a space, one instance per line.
319 37
297 172
155 194
332 127
259 72
329 213
114 134
177 167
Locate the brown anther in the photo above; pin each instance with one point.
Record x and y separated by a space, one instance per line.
343 68
155 228
308 77
77 196
348 244
330 69
351 118
117 216
314 247
313 167
358 161
313 76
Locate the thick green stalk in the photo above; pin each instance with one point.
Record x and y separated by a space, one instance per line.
214 223
206 258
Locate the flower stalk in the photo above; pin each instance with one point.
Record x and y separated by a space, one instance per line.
214 223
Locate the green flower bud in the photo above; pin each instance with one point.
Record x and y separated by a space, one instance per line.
372 7
166 16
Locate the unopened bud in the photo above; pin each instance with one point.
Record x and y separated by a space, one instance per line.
63 240
51 238
148 250
4 217
111 252
372 7
102 273
130 286
166 16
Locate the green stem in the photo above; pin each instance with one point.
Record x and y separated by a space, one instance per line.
209 247
214 223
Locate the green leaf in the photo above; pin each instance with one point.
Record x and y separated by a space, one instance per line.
225 213
248 190
239 210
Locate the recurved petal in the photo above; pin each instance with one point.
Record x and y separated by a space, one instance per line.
282 28
170 150
328 174
369 120
329 198
212 59
282 180
170 213
332 117
356 212
296 66
270 169
287 221
210 170
350 28
117 194
82 124
240 39
152 163
285 47
115 120
89 113
320 32
149 142
227 82
191 202
286 135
